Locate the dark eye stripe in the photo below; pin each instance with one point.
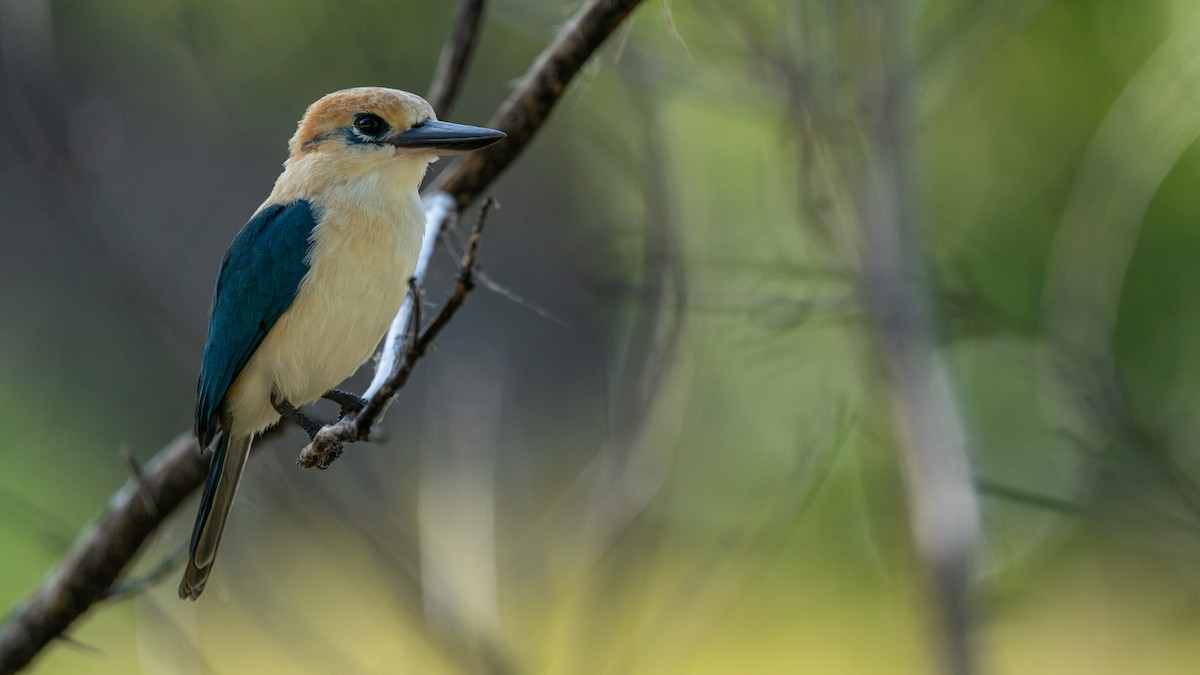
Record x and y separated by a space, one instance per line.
367 128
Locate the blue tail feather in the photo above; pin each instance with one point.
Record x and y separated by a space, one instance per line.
215 469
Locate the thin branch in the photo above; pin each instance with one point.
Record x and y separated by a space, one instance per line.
456 54
485 280
931 436
1028 498
127 587
54 533
139 474
99 554
327 445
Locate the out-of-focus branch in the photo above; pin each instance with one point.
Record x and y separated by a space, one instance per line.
930 434
85 576
90 569
456 54
528 107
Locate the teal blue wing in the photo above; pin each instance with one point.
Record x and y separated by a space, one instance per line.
259 279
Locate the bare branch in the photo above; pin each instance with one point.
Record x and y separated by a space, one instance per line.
930 433
456 54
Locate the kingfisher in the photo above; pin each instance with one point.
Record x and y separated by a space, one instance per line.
311 283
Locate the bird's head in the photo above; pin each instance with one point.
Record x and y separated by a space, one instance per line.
368 130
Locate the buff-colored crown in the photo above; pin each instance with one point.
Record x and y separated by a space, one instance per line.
399 109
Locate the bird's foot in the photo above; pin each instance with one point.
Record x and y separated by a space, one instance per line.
319 455
350 403
292 414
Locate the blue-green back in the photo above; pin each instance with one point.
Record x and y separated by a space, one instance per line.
259 278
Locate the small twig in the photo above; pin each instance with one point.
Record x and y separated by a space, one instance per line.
456 54
327 444
485 280
135 585
55 533
1028 498
79 644
414 325
140 476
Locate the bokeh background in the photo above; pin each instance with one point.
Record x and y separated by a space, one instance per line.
657 441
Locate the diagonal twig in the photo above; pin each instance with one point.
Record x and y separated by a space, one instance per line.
132 586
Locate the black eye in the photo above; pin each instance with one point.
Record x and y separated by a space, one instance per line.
369 124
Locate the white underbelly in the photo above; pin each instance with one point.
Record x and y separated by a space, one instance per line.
341 312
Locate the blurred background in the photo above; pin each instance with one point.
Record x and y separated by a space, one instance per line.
662 439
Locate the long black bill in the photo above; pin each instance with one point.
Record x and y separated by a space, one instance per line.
447 137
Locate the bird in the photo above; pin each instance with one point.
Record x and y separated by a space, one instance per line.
312 281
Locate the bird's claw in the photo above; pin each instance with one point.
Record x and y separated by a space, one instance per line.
349 403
